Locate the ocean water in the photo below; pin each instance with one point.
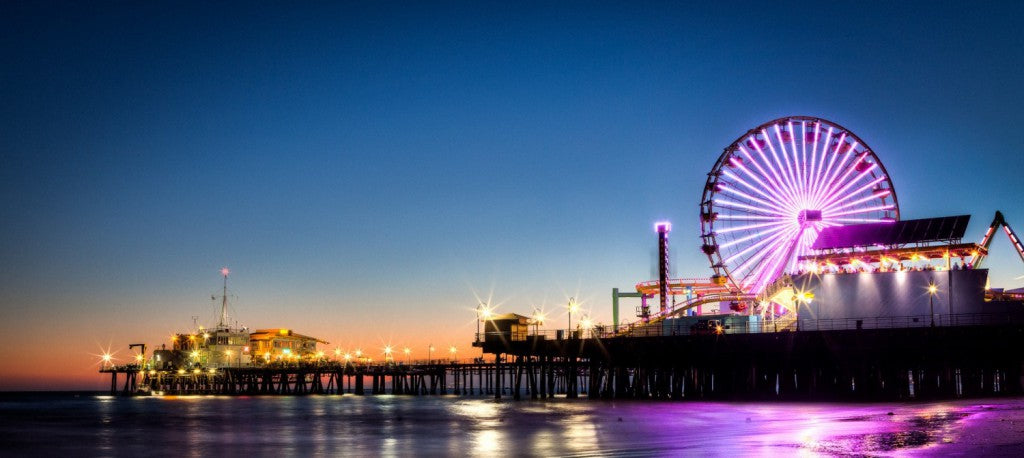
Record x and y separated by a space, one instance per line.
66 424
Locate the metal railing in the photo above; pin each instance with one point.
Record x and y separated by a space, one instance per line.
686 327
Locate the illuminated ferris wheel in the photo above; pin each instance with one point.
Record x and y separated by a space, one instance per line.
778 185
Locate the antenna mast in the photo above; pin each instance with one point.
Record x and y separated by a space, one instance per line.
224 299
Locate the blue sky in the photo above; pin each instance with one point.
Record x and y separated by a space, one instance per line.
368 169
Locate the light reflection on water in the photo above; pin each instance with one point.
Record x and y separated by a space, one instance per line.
51 424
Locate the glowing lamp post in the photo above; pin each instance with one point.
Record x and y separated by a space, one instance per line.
453 351
106 360
430 351
483 313
387 354
407 352
538 319
932 290
573 307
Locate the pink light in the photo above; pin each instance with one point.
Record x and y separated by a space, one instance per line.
832 197
780 186
855 193
663 227
755 199
832 175
224 271
750 209
861 210
748 185
752 226
751 236
781 176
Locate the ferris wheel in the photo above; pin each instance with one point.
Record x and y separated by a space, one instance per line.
777 186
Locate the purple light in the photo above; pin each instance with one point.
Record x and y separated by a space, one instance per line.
663 227
778 189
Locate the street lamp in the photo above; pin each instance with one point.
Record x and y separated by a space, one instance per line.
483 313
538 319
932 289
573 306
453 351
430 349
387 354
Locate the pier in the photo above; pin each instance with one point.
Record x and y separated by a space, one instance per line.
833 360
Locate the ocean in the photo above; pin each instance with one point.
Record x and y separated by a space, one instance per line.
84 424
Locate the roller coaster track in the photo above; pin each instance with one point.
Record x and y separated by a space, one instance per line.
986 241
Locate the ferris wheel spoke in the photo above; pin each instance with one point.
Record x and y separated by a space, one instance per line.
772 186
794 161
748 218
849 183
772 263
861 220
778 222
748 185
747 208
780 174
825 173
816 166
749 237
833 174
768 249
804 172
755 246
755 199
786 172
830 206
858 211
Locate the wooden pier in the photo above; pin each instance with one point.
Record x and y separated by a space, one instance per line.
854 364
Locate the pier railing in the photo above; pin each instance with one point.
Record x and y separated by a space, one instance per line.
685 328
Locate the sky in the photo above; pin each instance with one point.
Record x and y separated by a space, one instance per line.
371 171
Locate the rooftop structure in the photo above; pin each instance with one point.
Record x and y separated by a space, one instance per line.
948 230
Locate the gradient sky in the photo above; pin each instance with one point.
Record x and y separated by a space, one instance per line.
369 170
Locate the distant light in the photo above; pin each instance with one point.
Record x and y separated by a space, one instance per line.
586 323
195 354
486 313
452 349
932 289
662 227
225 271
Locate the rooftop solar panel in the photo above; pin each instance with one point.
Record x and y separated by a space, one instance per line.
895 233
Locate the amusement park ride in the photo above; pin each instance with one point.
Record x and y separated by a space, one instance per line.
769 196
